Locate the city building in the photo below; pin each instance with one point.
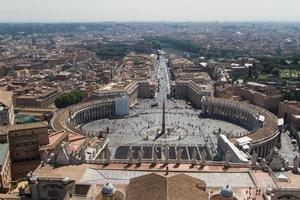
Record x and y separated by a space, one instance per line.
63 76
107 76
6 108
262 95
236 71
132 89
25 139
38 99
290 111
24 142
3 70
189 81
190 91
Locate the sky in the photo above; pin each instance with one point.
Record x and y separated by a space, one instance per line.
148 10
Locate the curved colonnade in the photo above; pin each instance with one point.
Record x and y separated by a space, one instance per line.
73 117
262 124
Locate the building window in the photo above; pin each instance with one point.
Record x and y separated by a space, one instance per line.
52 193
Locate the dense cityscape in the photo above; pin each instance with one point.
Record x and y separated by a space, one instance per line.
150 110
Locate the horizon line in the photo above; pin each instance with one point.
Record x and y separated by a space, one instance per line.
146 21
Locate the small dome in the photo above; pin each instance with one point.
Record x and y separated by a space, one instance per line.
108 189
226 192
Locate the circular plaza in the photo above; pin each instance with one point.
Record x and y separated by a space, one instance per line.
184 128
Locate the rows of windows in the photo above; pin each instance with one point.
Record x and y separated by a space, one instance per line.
25 142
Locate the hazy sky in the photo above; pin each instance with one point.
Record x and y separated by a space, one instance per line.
148 10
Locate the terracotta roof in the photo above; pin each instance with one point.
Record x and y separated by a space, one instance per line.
76 141
219 197
117 196
55 139
157 186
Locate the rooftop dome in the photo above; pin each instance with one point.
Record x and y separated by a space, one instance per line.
108 189
226 192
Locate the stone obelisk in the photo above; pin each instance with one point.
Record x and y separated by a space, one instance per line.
163 125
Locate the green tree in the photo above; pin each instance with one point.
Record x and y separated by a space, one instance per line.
67 99
156 44
276 72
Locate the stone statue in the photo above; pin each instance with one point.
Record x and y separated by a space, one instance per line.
194 156
130 155
107 155
275 160
82 155
167 154
296 169
140 155
263 164
227 158
286 164
269 157
72 157
180 136
155 156
51 159
254 158
179 155
203 158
